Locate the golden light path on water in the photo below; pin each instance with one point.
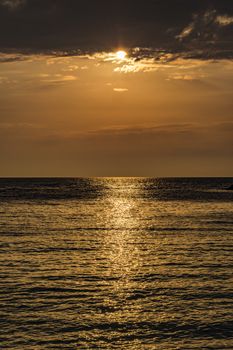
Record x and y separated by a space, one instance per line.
126 253
121 246
122 254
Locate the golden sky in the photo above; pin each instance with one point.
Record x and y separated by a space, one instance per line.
109 114
116 88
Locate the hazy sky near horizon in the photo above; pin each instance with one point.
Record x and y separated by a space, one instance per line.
71 105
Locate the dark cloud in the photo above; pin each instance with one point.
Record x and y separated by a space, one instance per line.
194 28
6 58
12 4
210 33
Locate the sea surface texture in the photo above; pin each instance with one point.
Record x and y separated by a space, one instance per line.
116 263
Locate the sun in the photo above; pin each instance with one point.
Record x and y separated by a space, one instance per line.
121 55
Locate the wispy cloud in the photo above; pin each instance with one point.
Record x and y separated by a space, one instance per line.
186 31
51 81
12 4
224 20
120 90
194 76
203 27
208 36
12 57
154 130
57 78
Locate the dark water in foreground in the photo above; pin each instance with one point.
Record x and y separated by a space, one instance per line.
116 264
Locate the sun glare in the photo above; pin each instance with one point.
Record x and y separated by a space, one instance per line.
121 55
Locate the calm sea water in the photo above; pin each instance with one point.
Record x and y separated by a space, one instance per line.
125 263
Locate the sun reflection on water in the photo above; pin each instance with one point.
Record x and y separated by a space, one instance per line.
120 243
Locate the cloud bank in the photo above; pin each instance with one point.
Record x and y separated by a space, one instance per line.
192 29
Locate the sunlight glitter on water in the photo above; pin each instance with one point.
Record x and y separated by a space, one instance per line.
125 264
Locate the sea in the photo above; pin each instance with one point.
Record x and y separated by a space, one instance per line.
116 263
